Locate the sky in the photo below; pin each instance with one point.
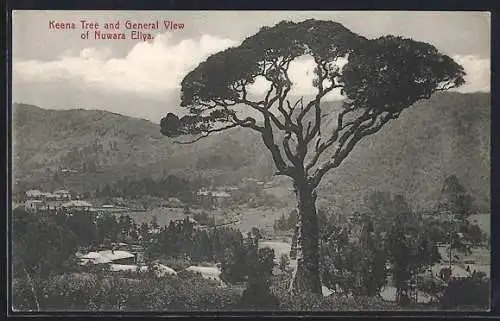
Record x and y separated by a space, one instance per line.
57 69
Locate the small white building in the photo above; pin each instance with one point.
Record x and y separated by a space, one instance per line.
63 195
33 205
108 256
118 256
93 258
34 194
191 220
127 268
77 204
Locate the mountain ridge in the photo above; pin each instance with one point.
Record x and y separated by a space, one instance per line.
410 155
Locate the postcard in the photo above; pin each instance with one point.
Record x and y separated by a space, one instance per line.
210 161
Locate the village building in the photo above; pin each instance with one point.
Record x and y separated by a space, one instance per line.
108 256
33 194
63 195
33 205
214 197
78 205
36 200
123 261
191 220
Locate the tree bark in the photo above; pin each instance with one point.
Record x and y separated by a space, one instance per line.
306 276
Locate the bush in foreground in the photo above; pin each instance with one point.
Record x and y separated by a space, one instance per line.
472 291
86 292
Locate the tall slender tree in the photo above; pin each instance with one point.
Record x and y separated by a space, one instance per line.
381 78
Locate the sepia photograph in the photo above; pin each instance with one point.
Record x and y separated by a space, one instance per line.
229 161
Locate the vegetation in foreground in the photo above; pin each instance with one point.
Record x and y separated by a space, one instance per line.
354 254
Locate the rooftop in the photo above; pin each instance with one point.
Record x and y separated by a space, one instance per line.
106 256
77 203
62 191
116 255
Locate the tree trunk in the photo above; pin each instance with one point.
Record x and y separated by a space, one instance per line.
306 276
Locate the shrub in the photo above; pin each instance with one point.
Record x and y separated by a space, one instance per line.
70 291
258 296
311 302
22 297
114 293
472 291
280 284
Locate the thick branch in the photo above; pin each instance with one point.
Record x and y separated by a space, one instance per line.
268 138
207 133
264 111
323 146
288 151
341 153
322 76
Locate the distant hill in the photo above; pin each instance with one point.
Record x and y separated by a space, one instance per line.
95 147
448 134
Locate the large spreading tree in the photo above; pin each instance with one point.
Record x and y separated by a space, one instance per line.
381 78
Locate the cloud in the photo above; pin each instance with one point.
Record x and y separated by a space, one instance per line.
301 74
478 71
149 68
155 69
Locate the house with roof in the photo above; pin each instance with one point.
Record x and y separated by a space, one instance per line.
108 257
190 219
63 195
33 205
36 200
34 194
77 204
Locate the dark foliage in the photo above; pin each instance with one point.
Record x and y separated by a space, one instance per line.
169 186
472 291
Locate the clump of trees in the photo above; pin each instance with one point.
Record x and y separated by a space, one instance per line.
46 276
180 239
454 198
354 267
169 186
394 240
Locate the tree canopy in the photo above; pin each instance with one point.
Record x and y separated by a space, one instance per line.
381 78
